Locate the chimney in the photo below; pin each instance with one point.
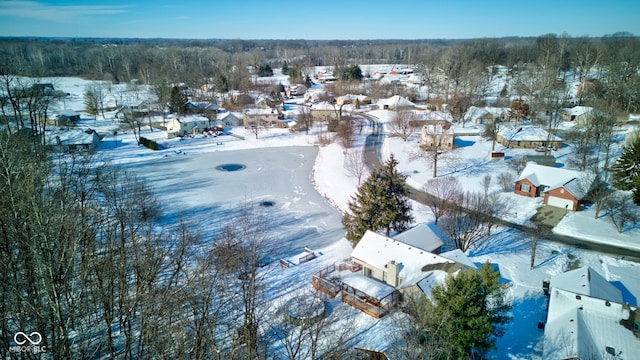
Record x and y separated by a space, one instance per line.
392 273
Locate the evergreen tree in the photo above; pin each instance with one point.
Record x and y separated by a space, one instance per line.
469 310
626 171
352 72
178 101
265 70
381 204
91 103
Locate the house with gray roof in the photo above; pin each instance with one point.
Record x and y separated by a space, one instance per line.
587 319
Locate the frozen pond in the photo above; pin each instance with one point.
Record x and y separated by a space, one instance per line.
274 181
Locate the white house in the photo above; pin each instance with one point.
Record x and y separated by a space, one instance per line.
186 125
395 102
437 133
587 319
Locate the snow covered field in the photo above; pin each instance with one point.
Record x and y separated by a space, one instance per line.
308 184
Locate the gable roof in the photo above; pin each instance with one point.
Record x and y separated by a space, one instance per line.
422 237
396 101
586 281
553 178
378 250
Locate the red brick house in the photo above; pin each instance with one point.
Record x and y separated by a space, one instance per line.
560 187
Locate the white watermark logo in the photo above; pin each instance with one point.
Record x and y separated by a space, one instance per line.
28 343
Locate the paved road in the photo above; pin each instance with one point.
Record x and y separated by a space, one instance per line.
373 158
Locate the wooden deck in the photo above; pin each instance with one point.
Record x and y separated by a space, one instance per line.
350 295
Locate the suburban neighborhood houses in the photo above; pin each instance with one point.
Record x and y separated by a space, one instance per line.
254 184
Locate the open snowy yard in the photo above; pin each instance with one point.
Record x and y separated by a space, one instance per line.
274 181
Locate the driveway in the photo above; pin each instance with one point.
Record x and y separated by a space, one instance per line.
548 215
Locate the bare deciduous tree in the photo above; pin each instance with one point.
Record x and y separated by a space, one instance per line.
469 222
436 141
305 119
621 211
401 124
354 164
444 190
345 132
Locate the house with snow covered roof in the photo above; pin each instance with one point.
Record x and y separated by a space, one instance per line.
382 269
353 99
72 140
486 114
260 117
561 188
229 119
396 102
587 319
186 125
422 236
437 133
582 115
526 137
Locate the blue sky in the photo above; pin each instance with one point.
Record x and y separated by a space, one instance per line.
313 20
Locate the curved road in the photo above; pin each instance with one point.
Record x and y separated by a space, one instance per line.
373 158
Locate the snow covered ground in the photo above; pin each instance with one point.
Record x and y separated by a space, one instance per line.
309 185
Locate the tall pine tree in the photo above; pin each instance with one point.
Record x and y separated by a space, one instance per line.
381 204
626 171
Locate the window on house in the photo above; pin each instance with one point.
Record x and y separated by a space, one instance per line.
367 272
525 187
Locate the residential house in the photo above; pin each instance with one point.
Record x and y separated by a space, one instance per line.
486 115
383 270
323 111
295 90
353 99
260 117
423 237
64 118
437 133
140 109
73 140
582 115
228 119
588 319
205 108
395 102
527 137
189 125
561 188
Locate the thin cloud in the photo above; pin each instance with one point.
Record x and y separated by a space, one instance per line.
60 13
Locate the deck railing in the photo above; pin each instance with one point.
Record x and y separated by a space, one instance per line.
377 310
